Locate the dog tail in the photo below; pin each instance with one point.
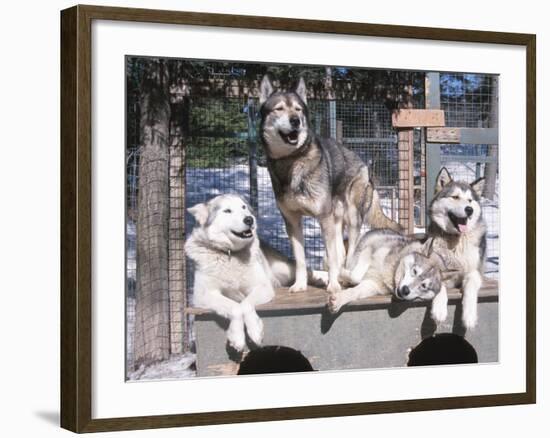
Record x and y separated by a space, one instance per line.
375 217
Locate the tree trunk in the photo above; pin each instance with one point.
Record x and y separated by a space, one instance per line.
151 342
491 169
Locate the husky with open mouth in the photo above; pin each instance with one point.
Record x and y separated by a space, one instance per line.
317 177
457 226
234 271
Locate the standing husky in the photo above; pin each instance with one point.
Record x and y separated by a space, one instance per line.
313 176
234 272
457 226
387 262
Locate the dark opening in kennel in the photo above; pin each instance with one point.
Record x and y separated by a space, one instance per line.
274 359
443 349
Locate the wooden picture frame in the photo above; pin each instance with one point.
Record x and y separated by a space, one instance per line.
76 217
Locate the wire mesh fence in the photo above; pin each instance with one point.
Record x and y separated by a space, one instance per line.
469 99
472 101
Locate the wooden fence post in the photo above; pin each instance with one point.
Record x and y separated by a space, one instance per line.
406 181
405 120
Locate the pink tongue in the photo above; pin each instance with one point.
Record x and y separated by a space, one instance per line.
462 228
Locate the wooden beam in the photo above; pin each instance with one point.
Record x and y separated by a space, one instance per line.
443 135
463 135
413 118
315 298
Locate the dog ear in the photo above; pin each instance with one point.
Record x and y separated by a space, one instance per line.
266 89
250 207
301 90
427 248
200 213
443 178
478 185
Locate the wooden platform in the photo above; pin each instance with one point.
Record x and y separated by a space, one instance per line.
315 298
378 332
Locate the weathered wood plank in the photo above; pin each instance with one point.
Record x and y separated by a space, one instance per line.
443 135
463 135
412 118
315 298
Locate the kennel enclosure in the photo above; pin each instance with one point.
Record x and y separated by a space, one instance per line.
203 142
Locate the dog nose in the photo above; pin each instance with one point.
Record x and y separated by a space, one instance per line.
404 291
469 210
295 121
248 220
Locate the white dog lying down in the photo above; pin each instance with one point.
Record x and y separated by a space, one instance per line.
386 262
234 272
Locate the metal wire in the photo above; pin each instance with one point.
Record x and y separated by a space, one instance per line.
471 100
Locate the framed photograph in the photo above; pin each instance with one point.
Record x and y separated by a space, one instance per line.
304 218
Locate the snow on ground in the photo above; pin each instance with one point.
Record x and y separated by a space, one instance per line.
179 366
176 367
205 183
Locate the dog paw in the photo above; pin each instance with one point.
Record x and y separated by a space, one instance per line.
469 318
319 279
334 304
236 338
255 328
237 343
344 278
334 287
439 312
298 287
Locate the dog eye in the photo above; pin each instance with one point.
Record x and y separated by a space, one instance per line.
297 109
414 272
278 108
244 207
456 197
424 285
470 200
227 210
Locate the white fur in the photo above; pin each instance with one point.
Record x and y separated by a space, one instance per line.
365 289
463 246
233 275
224 281
439 305
472 283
